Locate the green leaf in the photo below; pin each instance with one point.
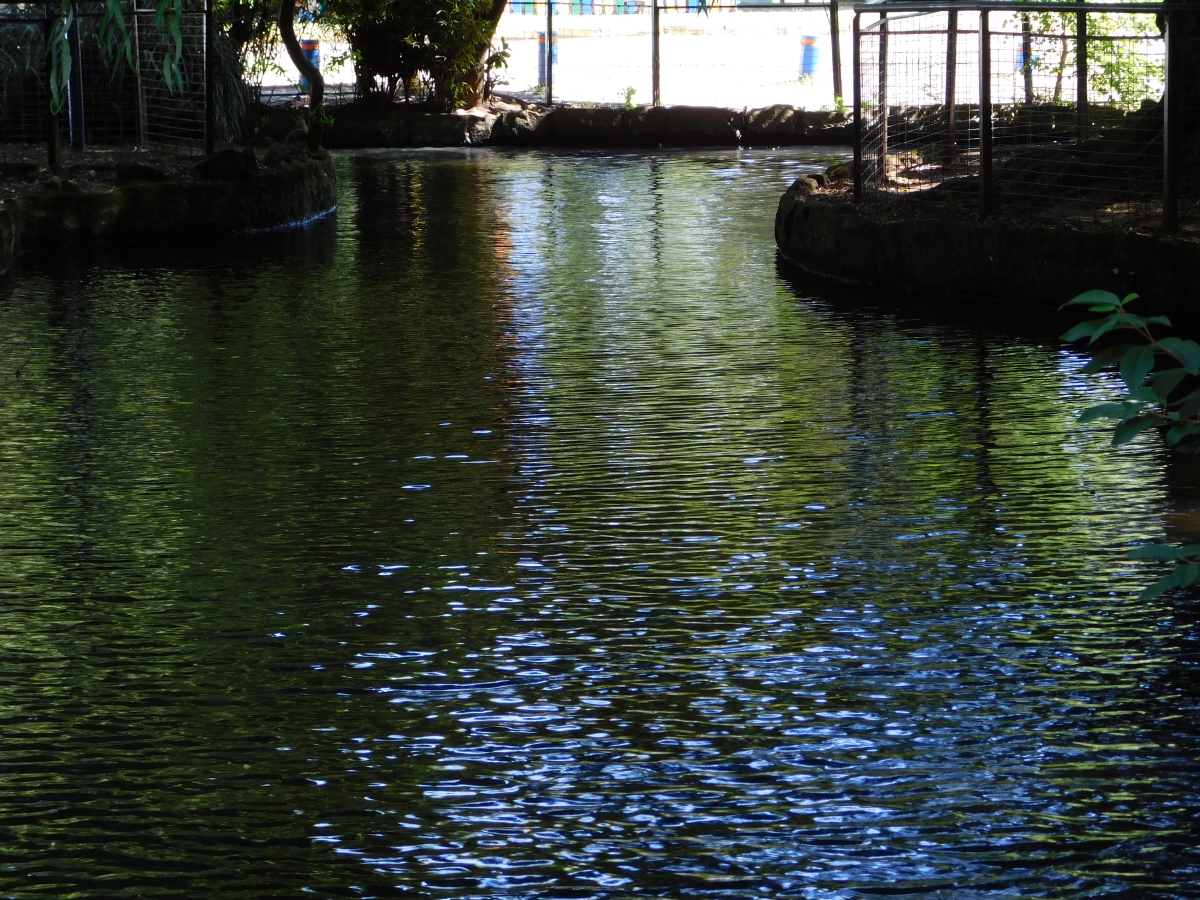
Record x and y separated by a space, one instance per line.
1164 551
1136 365
1158 320
1104 327
1160 587
1107 411
1097 298
1187 573
1144 394
1129 298
1189 405
1187 352
1105 357
1127 430
1177 433
1082 330
1166 381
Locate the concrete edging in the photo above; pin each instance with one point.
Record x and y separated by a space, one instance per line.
363 126
1020 264
294 190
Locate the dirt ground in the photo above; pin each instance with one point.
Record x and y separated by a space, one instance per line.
23 167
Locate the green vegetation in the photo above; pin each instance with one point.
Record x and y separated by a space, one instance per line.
117 34
1117 72
1161 393
393 40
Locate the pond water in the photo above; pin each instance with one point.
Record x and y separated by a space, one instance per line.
522 532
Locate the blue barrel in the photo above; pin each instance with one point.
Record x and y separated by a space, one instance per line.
809 56
542 56
312 52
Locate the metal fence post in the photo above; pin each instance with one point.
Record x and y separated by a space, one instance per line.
856 60
549 52
1027 57
143 129
1171 119
655 60
75 88
883 97
951 82
1081 76
835 52
210 108
53 145
985 116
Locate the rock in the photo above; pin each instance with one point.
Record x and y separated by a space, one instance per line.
770 125
819 178
529 126
56 184
843 171
584 126
646 125
278 154
401 125
703 126
228 165
802 186
139 172
170 210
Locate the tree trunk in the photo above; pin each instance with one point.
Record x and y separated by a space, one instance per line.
1058 72
316 83
475 79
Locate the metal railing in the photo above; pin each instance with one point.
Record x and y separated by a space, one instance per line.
1042 110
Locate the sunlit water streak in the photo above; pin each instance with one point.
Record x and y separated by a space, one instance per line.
522 532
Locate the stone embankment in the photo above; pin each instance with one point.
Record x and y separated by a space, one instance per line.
396 125
232 191
821 230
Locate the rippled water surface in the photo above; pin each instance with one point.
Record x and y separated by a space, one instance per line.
522 532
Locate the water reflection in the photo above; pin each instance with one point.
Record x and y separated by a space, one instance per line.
522 533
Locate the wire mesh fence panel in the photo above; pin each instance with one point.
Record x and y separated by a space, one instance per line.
601 50
174 116
24 89
117 102
729 56
1075 122
747 58
926 75
1055 158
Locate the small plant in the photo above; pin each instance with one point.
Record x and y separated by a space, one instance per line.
1160 376
496 60
839 105
628 95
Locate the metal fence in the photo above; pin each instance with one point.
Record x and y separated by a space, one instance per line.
111 110
740 53
1035 110
737 54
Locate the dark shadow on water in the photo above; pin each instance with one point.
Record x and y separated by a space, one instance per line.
908 306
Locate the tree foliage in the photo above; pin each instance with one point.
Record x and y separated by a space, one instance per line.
115 31
1160 375
1119 71
392 41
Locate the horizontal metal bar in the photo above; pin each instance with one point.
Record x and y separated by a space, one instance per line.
934 6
